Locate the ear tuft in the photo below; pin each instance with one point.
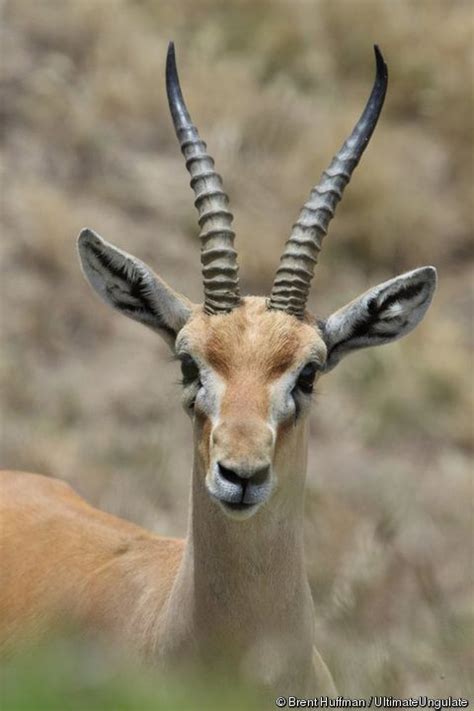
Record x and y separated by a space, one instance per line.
131 287
381 315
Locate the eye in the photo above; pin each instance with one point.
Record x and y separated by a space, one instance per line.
306 377
189 369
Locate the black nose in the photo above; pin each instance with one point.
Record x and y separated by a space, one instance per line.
242 477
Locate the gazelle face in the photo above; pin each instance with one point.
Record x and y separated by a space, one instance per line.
249 365
247 377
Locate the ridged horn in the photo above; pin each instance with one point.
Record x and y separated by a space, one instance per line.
218 256
293 278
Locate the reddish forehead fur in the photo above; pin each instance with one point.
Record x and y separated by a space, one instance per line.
270 341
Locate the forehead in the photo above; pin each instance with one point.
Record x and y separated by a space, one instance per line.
269 342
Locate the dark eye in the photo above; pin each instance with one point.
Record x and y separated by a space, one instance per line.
189 370
305 380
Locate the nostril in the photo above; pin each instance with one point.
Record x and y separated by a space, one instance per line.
256 477
260 476
229 475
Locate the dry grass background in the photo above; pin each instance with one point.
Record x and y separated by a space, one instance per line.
274 87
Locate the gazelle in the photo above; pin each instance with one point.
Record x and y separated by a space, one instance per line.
236 587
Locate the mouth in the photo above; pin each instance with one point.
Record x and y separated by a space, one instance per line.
238 497
241 506
238 510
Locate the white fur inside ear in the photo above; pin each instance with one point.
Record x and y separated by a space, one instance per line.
395 309
113 283
131 287
381 315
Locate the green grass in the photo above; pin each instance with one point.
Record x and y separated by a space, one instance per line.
74 675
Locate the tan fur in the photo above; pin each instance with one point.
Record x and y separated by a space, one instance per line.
270 341
65 562
234 589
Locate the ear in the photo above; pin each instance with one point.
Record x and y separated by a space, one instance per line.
381 315
131 287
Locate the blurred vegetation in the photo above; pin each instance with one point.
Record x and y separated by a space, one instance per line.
274 86
76 674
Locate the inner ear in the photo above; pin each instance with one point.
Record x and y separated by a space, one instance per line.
381 315
131 287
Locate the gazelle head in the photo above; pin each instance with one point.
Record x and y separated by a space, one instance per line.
248 363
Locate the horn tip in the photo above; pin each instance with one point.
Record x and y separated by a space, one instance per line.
173 89
381 66
171 59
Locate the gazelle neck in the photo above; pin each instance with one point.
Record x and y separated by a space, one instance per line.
242 584
259 550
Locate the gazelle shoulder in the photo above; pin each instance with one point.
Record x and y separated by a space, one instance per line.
25 485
